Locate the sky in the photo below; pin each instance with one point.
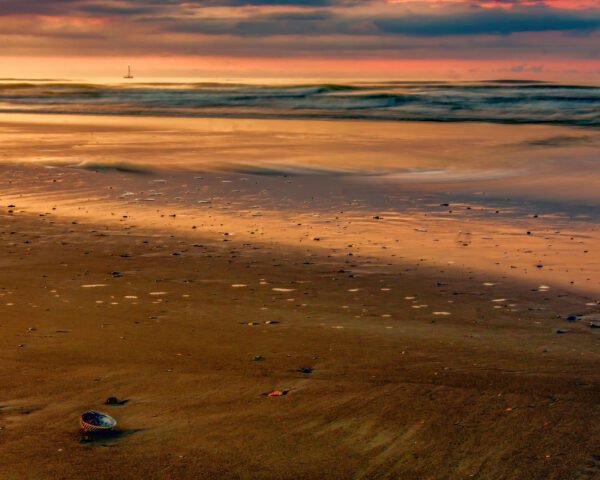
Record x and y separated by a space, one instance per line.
425 39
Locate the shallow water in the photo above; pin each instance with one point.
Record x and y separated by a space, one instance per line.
548 164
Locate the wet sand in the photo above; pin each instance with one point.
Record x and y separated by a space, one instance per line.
431 356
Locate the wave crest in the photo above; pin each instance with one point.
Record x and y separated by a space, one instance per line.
495 101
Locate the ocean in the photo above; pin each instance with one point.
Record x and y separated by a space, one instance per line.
497 101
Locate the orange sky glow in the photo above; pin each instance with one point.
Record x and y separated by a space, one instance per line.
450 39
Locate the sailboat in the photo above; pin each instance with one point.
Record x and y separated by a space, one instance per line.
129 75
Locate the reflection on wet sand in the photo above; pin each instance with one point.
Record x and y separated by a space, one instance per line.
391 225
519 160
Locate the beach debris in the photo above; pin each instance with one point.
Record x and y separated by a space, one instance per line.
258 358
116 274
97 285
92 421
442 313
278 393
592 319
283 289
115 401
239 285
306 370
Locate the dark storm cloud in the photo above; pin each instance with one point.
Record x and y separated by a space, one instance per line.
312 27
321 17
490 21
133 7
39 7
301 3
475 22
318 23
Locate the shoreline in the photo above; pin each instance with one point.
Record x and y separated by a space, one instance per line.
525 162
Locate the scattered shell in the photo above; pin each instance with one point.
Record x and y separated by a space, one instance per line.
277 393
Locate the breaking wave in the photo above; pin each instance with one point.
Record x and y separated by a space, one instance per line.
499 101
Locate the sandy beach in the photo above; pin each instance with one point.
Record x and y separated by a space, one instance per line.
300 240
421 328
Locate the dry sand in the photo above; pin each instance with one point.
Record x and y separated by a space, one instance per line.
420 369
